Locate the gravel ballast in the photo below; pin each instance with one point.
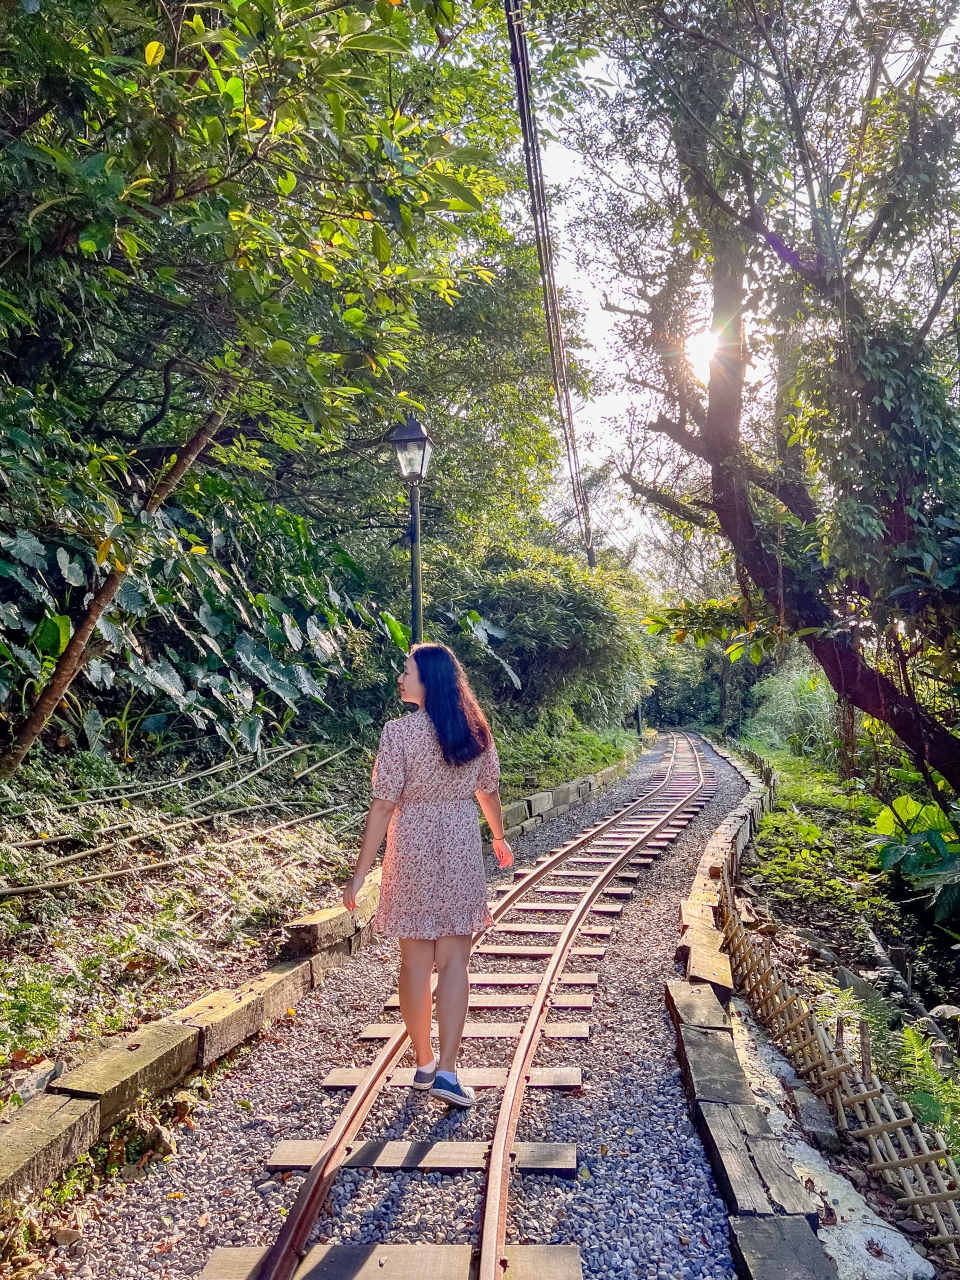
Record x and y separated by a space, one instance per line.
642 1204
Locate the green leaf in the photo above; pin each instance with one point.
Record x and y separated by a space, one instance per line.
52 635
72 570
398 633
338 113
265 668
890 854
26 548
281 352
28 659
904 808
926 1107
10 616
153 54
375 44
292 632
249 730
381 244
456 189
131 598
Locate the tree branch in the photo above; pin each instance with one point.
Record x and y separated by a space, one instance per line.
934 311
667 502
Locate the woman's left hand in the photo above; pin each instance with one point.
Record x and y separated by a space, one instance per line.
351 891
503 854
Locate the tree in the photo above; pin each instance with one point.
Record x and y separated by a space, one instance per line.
228 237
789 179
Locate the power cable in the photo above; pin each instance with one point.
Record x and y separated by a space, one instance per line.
519 56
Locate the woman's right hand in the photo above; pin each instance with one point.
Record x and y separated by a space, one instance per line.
351 891
503 854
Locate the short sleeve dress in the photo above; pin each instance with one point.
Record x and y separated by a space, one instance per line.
433 881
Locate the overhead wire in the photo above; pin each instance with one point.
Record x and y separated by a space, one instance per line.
520 58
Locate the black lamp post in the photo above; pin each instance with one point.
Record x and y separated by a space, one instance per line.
414 451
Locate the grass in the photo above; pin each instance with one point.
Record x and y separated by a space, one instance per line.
817 866
536 760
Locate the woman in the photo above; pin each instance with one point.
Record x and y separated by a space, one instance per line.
433 897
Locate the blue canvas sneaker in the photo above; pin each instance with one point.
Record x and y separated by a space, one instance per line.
457 1094
425 1076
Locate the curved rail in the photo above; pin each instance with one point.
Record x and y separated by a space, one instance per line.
284 1256
492 1241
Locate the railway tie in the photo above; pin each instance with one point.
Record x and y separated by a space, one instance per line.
573 882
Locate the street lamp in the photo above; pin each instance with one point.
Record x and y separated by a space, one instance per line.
414 450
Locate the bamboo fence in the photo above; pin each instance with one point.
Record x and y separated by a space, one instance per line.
912 1160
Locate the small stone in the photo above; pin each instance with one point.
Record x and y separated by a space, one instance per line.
162 1140
67 1236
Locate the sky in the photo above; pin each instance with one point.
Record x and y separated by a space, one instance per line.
596 419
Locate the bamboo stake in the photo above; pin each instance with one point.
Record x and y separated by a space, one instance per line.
162 831
866 1063
52 885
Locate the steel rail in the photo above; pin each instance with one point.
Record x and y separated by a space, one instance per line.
493 1238
286 1252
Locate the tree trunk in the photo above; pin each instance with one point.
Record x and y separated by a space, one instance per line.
799 604
74 656
847 737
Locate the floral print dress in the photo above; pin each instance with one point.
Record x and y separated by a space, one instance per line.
433 881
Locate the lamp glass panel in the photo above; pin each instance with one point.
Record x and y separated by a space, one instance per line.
427 455
410 457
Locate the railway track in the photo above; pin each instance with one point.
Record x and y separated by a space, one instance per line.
573 893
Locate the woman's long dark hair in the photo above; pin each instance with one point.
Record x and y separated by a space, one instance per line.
451 704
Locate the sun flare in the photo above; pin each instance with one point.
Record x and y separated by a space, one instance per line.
701 348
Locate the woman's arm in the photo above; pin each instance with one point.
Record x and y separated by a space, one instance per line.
375 828
489 802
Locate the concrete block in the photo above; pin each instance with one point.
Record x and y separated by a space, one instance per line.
530 824
47 1135
512 833
584 788
335 957
321 929
148 1061
516 813
607 776
701 935
561 809
695 1006
778 1248
706 965
224 1020
362 938
549 815
281 987
540 803
697 913
561 795
705 890
711 1069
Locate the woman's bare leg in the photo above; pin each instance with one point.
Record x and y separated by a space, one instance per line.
453 995
416 971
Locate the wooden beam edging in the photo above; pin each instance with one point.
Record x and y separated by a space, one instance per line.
772 1221
54 1129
